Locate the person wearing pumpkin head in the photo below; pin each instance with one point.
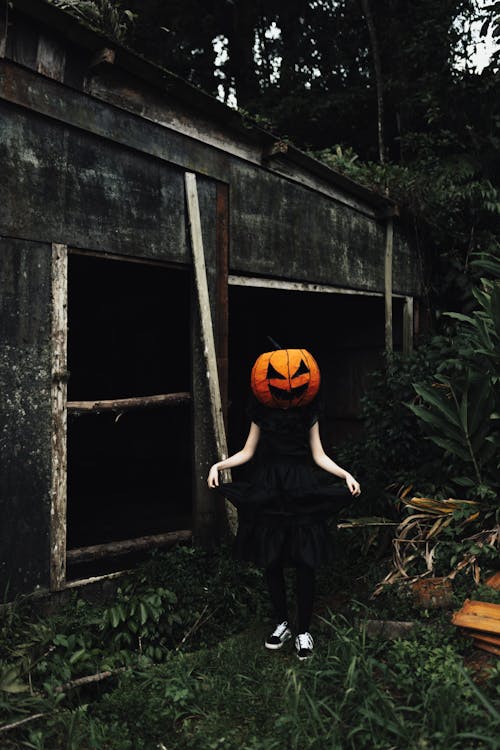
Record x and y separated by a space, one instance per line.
282 511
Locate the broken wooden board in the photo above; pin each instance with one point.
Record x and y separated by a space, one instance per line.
482 616
494 581
487 637
487 647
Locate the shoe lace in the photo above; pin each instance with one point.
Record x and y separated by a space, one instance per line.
280 629
305 640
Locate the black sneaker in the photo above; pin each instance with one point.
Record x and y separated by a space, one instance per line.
304 645
280 635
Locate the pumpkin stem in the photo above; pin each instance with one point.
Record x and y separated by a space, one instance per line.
274 343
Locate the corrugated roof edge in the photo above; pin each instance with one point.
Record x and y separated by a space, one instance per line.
92 38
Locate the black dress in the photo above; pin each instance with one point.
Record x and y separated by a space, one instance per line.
282 510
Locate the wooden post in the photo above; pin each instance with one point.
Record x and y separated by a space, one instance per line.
4 24
408 326
222 291
388 284
58 394
207 332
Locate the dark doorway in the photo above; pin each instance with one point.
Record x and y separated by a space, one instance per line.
344 332
129 475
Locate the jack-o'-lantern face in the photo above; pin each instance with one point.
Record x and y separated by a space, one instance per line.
285 378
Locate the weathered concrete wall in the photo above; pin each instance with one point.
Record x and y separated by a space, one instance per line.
87 192
282 229
94 193
280 224
25 424
91 193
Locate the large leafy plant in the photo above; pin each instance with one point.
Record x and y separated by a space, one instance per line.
460 408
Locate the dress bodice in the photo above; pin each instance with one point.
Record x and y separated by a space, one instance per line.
284 433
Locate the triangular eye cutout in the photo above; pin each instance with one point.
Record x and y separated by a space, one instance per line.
302 369
272 373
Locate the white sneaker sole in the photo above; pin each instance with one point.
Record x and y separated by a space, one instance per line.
304 658
277 646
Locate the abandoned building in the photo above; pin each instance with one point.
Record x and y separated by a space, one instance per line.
148 231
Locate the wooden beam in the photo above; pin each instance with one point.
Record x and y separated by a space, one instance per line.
207 331
408 326
4 25
261 282
222 291
59 429
126 546
388 284
128 404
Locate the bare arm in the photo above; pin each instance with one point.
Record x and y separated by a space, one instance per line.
244 455
325 462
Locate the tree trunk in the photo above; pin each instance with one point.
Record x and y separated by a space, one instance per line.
365 5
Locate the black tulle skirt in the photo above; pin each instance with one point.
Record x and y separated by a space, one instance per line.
283 512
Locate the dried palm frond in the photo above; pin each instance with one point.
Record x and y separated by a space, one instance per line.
417 538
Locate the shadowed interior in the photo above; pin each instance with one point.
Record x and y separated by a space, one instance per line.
129 475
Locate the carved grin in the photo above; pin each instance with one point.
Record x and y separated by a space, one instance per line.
288 395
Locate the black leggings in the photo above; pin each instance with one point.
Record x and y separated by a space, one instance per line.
305 594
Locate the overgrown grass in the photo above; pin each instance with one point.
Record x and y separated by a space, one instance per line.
219 688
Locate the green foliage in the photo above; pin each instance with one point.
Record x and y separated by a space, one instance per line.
392 450
355 693
105 15
460 409
141 620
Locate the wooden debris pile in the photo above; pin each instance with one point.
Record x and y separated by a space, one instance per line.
481 620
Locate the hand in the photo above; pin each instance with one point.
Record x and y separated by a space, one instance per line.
213 477
353 486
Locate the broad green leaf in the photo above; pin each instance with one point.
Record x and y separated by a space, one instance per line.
437 421
452 447
481 404
495 308
463 413
439 400
76 656
460 316
464 481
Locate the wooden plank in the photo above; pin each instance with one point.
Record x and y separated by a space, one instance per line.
487 647
59 397
222 291
128 404
476 622
482 636
299 286
81 582
486 609
494 581
407 326
128 259
207 332
126 546
388 284
50 58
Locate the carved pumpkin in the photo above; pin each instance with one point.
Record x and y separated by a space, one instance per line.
285 378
